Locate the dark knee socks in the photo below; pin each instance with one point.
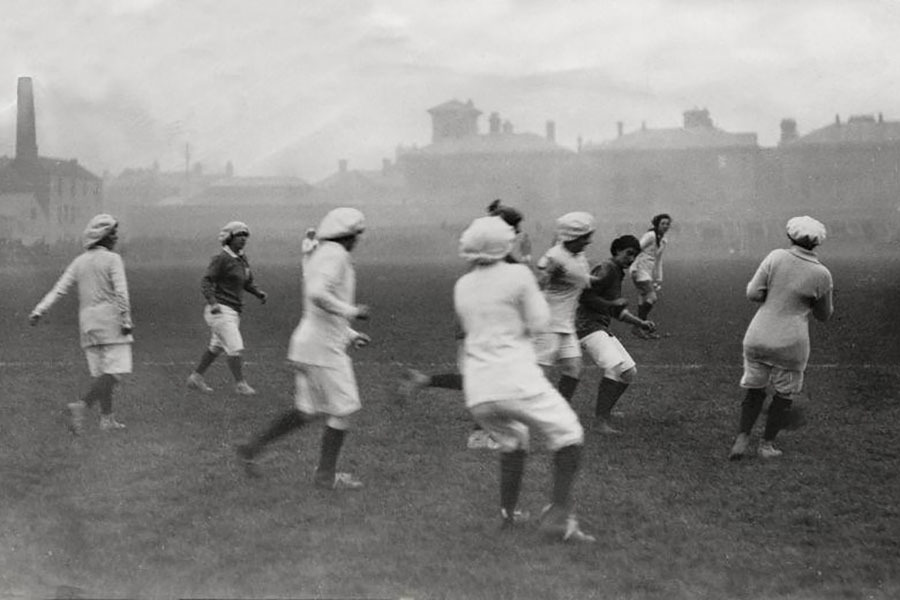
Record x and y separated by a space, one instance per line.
644 310
567 386
565 462
206 360
101 391
608 393
512 467
750 408
284 424
332 440
779 411
236 366
447 381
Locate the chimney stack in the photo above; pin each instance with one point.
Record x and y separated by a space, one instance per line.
26 130
342 165
620 126
551 131
788 130
837 119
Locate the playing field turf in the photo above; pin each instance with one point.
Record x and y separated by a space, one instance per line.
162 510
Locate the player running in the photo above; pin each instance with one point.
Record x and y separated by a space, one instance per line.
325 385
500 308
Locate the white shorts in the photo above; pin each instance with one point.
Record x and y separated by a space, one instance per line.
225 328
551 347
108 359
787 382
607 352
509 422
320 390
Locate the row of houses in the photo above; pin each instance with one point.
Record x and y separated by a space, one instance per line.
695 170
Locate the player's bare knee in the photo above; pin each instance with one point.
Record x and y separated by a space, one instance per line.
628 375
342 423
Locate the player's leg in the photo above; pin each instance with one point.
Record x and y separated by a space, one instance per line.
787 384
618 370
116 362
754 380
214 349
554 418
646 299
569 362
513 442
335 390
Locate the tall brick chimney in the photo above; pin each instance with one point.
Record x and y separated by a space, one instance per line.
26 130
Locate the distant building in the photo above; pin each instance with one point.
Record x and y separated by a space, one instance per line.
697 169
465 168
43 200
850 166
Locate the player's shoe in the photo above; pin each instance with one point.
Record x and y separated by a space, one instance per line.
640 333
76 412
768 450
517 517
246 455
339 481
603 427
739 449
481 440
411 381
195 381
242 388
561 525
109 423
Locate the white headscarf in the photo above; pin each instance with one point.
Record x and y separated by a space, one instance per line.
231 229
573 225
806 231
341 222
486 240
97 229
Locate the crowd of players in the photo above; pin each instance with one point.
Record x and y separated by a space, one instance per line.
521 323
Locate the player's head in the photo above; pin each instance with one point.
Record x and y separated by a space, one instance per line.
101 230
486 241
805 232
624 249
342 225
661 223
234 235
575 230
509 214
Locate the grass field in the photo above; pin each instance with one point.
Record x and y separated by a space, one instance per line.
163 511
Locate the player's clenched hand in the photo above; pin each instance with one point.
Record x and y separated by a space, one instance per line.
361 340
362 311
649 326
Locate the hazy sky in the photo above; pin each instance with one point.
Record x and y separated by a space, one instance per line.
289 87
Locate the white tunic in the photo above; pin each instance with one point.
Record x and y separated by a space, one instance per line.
790 284
563 276
500 308
648 264
329 303
103 303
